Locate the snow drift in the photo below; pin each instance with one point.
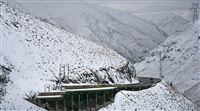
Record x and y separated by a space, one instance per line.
159 98
36 49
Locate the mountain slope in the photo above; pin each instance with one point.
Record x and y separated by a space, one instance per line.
168 22
121 31
159 98
36 49
180 61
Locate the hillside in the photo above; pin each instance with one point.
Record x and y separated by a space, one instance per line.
160 98
33 50
169 22
180 61
125 33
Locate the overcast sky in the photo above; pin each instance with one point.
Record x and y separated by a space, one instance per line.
127 5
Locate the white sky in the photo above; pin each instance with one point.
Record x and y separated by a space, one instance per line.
127 5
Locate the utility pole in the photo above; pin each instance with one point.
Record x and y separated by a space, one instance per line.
195 7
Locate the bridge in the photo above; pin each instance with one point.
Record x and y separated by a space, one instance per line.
87 97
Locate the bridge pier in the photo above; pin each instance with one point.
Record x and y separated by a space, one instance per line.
72 102
64 103
79 102
87 102
56 105
104 98
112 97
96 101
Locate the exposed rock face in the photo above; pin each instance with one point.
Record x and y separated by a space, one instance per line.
4 79
109 75
5 69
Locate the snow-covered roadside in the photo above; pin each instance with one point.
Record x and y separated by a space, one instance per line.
158 98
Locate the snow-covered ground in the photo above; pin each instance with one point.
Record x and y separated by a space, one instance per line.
36 49
159 98
180 62
33 49
121 31
167 21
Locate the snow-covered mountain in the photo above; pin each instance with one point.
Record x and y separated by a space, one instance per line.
178 60
169 22
33 50
158 98
129 35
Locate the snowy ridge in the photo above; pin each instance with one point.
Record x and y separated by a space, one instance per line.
180 61
193 93
168 22
36 49
119 30
158 98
